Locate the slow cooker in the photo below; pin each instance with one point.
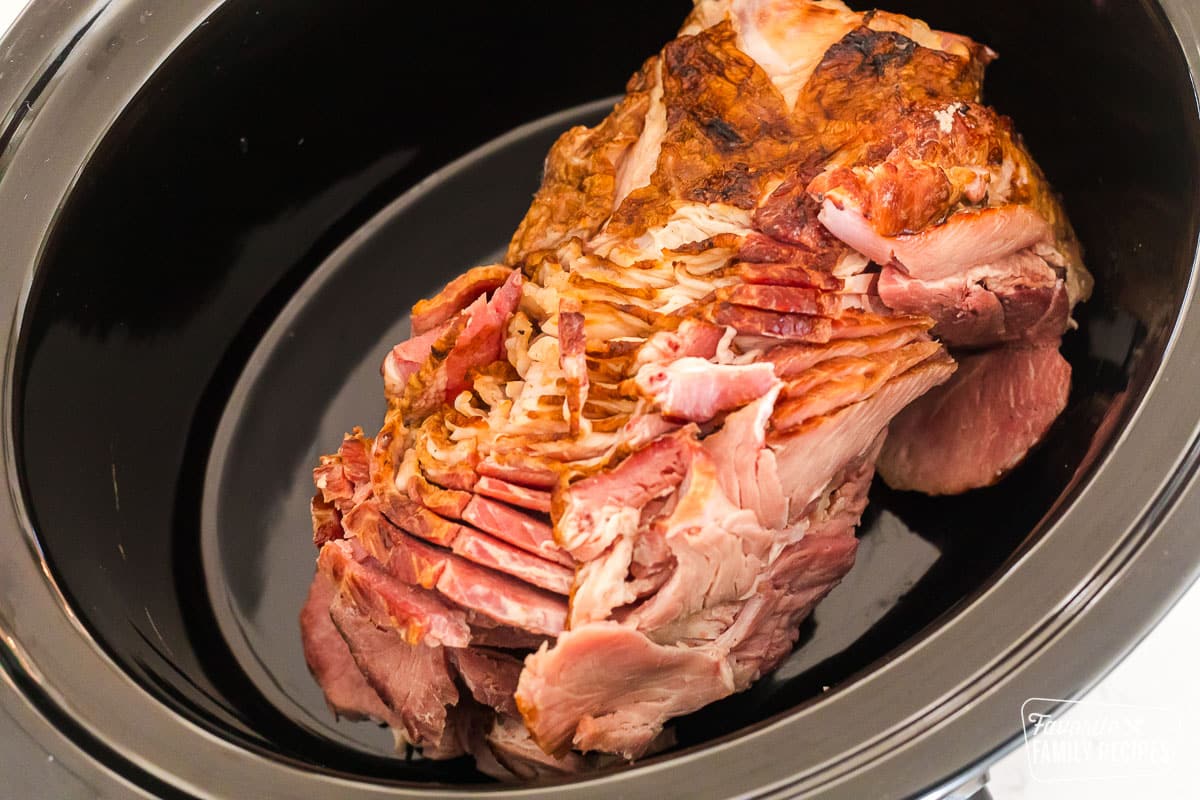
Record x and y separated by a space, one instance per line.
215 215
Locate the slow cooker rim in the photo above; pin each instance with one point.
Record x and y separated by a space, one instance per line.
59 684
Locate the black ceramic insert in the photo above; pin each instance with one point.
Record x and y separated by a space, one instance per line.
273 134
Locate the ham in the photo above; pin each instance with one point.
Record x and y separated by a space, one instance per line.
965 240
573 362
417 615
519 529
329 659
618 470
490 676
513 494
809 396
696 390
607 687
406 359
481 340
1019 297
511 746
414 682
808 456
783 299
502 599
596 511
326 521
427 315
343 479
719 550
971 431
773 324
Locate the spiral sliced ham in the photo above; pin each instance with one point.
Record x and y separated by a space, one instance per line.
619 469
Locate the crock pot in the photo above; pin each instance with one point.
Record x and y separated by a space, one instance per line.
216 213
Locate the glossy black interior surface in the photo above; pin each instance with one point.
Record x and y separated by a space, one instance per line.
273 134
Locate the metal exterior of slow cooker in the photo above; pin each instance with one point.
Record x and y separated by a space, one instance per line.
1125 539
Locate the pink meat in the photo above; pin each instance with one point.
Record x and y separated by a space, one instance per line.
499 597
804 572
863 324
784 299
787 275
457 295
329 660
511 746
1020 297
445 502
969 432
490 676
405 360
719 550
601 584
746 467
572 344
693 338
772 324
807 397
792 359
344 480
598 510
528 475
495 554
401 512
605 686
326 521
414 681
809 456
376 533
519 529
696 390
514 494
838 371
966 239
481 341
416 614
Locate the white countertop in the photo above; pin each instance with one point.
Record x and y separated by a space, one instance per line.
1160 673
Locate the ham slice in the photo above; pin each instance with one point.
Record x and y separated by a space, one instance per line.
696 390
513 494
481 340
511 746
598 510
418 616
809 455
498 597
490 676
969 432
607 687
414 682
967 239
518 529
405 360
1020 297
344 480
328 657
457 295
